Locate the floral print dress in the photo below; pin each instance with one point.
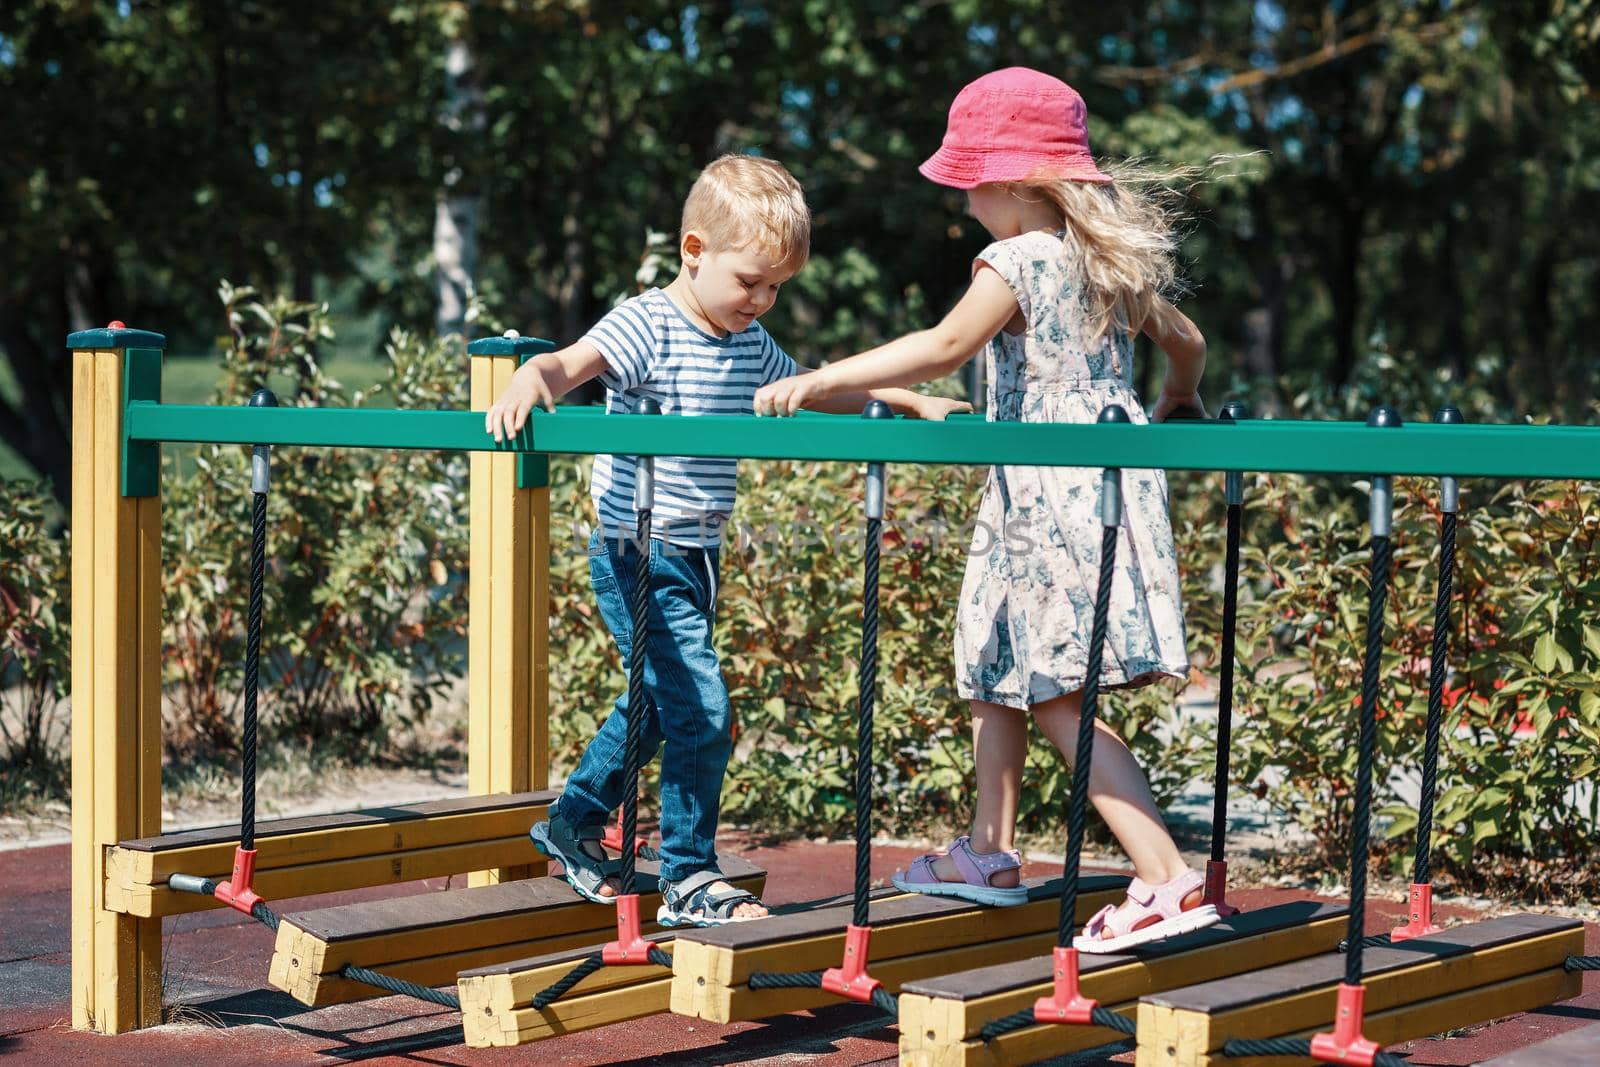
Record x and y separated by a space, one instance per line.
1027 600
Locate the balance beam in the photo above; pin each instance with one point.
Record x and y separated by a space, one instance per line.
326 853
431 937
1457 977
1575 1048
913 936
941 1018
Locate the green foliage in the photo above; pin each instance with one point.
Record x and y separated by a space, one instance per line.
34 647
365 606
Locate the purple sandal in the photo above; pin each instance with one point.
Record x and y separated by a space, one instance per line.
977 868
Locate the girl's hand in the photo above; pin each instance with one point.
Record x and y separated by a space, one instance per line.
788 395
1178 406
936 408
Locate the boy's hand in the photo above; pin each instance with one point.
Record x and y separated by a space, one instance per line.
788 395
1178 406
935 408
507 415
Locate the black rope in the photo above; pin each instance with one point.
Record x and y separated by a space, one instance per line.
1078 803
886 1002
786 980
1230 615
252 665
590 964
1583 963
636 703
399 985
265 915
1294 1046
1436 671
1370 941
868 696
1382 554
1021 1020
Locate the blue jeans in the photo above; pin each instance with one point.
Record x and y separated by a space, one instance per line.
686 701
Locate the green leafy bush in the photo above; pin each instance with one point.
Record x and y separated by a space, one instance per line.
35 601
365 608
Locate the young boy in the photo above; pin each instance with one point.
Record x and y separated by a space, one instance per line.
695 348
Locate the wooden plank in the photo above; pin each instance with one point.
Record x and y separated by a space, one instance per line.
87 875
432 937
712 967
1435 1015
322 838
941 1017
1189 1025
1575 1048
126 896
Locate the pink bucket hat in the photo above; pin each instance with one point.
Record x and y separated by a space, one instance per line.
1011 125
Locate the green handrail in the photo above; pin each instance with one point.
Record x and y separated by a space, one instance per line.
1255 445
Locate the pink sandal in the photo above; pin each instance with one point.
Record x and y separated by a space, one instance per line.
1134 926
977 869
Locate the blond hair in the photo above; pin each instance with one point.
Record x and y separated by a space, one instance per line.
1127 232
747 202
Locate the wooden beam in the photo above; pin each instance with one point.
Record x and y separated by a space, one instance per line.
116 690
508 620
1415 988
431 937
941 1018
324 838
1575 1048
913 936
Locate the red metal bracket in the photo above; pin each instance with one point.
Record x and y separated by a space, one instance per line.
1217 887
851 978
1346 1045
613 840
1420 922
1066 1004
236 892
630 946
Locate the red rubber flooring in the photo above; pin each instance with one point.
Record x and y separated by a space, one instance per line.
217 963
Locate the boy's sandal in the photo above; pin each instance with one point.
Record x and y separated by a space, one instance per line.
560 840
977 870
692 903
1158 912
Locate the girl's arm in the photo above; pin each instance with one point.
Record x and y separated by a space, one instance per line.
1180 339
918 357
904 401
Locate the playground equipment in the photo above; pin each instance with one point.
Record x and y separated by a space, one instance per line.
116 558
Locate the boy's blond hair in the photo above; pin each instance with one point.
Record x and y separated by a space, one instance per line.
746 202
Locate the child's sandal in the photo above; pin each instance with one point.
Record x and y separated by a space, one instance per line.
977 870
562 841
692 903
1158 913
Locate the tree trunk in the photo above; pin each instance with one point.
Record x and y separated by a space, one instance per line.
455 219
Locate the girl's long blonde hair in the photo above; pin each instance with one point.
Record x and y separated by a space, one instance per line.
1127 231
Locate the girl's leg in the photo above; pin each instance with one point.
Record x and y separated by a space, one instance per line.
1000 748
1118 789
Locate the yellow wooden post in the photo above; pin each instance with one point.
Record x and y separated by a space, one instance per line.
116 672
508 629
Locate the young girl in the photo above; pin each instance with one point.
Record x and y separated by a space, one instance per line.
1078 266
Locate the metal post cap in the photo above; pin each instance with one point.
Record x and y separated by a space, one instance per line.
1112 413
1234 411
116 324
1384 417
648 406
877 409
263 398
1449 415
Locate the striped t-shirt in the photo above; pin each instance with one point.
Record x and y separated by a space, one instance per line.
652 350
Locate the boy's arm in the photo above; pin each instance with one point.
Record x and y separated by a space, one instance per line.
1176 335
541 382
919 357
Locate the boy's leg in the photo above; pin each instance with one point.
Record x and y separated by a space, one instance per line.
693 710
596 787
